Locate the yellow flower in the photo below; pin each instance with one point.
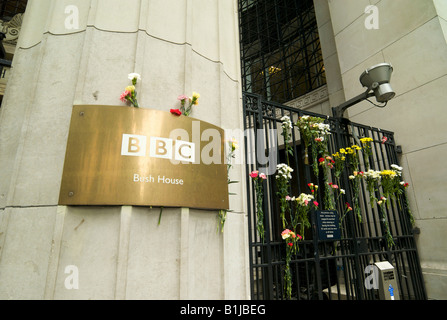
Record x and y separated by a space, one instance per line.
130 88
342 151
390 173
234 144
366 139
195 98
354 146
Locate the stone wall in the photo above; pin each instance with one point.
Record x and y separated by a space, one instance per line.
80 52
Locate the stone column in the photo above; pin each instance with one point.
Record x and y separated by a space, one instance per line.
80 52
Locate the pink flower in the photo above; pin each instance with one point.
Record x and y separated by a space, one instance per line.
262 176
384 139
182 97
124 95
177 112
288 198
315 204
254 174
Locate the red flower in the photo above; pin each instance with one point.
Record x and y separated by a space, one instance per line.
384 139
254 174
177 112
290 244
321 160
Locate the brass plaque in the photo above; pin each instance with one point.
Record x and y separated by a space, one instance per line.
119 155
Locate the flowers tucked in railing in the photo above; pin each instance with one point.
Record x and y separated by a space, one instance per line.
258 179
291 240
286 126
327 163
390 183
355 178
372 178
388 236
303 204
314 132
283 176
339 163
130 94
367 152
232 147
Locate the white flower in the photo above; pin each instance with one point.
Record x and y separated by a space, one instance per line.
342 191
286 123
284 171
396 167
372 174
134 76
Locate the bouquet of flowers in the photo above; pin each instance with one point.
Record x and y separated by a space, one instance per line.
130 94
284 174
186 104
372 181
314 132
258 178
290 238
366 144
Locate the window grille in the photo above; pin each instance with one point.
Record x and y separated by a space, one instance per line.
280 48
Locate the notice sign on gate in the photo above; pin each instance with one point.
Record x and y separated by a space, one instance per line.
118 155
328 224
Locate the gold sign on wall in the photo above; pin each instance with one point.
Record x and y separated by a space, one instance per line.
118 155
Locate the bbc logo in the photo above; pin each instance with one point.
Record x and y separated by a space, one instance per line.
164 148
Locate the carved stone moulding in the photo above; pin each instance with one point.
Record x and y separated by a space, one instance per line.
12 28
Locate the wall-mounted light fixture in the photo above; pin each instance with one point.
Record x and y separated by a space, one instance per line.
377 81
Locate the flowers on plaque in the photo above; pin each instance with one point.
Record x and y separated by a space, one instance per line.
176 112
130 94
186 104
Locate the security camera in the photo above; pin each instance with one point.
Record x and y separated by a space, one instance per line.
377 78
377 81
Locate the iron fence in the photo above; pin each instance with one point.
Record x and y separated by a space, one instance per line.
325 269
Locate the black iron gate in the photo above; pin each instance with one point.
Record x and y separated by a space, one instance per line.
325 269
